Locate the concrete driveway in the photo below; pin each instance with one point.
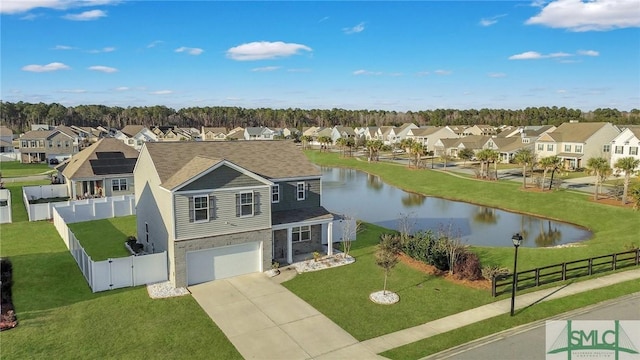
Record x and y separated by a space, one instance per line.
264 320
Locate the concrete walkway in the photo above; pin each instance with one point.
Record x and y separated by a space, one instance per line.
264 320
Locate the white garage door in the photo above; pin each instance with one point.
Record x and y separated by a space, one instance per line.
223 262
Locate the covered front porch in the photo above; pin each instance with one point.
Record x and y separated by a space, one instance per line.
301 232
571 161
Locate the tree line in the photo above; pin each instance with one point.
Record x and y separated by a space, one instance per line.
20 116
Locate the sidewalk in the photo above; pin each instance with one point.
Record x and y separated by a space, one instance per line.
452 322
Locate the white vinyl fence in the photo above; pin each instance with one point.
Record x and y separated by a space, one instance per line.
5 206
75 210
112 273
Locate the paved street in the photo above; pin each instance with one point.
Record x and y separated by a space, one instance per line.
528 341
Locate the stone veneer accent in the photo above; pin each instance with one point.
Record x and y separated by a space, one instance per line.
178 275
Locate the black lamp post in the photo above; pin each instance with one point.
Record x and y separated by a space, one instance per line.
517 240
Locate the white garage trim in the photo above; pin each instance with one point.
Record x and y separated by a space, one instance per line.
223 262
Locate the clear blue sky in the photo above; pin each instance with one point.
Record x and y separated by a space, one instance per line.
323 54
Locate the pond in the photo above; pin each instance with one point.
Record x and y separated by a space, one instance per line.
367 197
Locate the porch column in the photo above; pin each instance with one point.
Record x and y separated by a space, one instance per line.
330 238
289 249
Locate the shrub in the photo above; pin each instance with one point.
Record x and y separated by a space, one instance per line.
488 272
468 266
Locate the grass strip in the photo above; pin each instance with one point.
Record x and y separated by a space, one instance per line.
496 324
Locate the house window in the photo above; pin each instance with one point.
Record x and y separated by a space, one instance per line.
540 147
245 204
200 208
146 232
119 184
300 191
633 150
567 148
618 150
549 147
34 143
275 194
525 140
301 233
579 149
606 148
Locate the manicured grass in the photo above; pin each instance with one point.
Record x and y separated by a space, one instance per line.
18 210
59 317
104 239
422 297
613 227
12 169
480 329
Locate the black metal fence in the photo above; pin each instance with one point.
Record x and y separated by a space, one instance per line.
502 284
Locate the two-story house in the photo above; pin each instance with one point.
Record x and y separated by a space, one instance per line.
575 143
626 144
429 136
6 140
345 132
45 145
227 208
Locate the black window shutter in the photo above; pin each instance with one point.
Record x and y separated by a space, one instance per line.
212 207
191 209
237 205
256 202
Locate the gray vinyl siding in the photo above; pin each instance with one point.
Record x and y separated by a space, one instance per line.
289 199
109 186
222 177
225 220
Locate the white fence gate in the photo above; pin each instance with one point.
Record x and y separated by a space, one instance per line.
112 273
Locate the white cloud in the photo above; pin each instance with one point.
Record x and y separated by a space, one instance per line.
354 30
323 19
443 72
29 17
74 91
266 69
422 73
588 53
18 6
366 72
189 50
86 16
491 21
497 75
104 69
561 91
103 50
154 44
122 88
161 92
62 47
593 15
261 50
54 66
534 55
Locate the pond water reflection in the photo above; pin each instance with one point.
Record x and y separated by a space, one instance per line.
367 197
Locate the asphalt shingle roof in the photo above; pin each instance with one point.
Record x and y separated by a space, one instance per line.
175 164
79 166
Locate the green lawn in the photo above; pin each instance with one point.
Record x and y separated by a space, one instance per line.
13 169
18 210
60 318
104 239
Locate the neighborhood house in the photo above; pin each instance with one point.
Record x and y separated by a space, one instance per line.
227 208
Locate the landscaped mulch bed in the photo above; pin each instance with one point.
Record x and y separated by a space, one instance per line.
432 270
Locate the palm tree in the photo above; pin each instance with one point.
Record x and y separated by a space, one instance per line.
599 167
627 165
306 139
493 156
486 155
374 147
324 141
548 163
416 151
342 143
526 158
